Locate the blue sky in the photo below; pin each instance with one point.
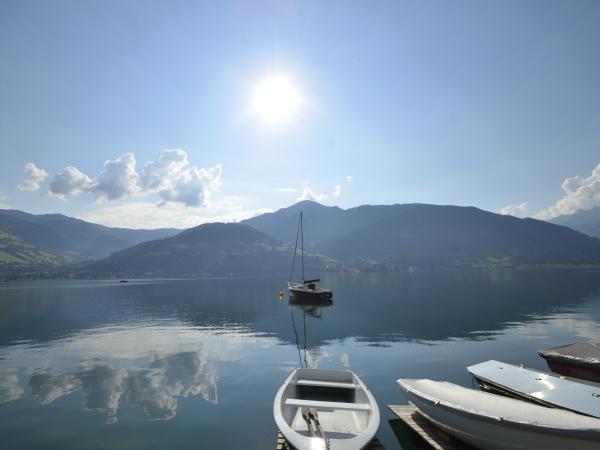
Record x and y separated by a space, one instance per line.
481 103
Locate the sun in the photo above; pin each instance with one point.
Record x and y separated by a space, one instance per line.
276 100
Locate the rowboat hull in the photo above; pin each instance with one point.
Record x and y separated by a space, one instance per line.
493 422
326 409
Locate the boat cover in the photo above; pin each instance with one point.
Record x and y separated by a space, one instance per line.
546 388
586 354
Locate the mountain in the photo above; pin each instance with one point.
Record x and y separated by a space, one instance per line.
321 223
451 235
431 235
212 249
585 220
71 238
17 256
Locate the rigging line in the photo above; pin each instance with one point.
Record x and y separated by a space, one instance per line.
305 343
296 334
295 248
302 241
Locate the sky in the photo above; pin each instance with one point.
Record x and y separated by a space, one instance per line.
149 114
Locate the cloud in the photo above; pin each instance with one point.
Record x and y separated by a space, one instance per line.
157 174
519 210
308 194
35 177
134 214
70 181
170 177
337 191
193 186
349 178
580 193
118 178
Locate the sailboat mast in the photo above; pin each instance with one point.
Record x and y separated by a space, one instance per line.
302 244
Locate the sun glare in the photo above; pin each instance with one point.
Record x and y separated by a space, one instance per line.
276 100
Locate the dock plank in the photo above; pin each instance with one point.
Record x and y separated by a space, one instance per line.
428 432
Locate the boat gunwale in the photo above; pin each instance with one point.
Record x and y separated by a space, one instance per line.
593 433
359 441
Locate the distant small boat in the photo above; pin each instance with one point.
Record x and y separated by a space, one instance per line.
123 281
326 409
493 422
538 387
577 360
307 288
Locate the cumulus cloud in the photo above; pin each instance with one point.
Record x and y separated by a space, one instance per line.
118 178
580 193
70 181
157 174
193 186
337 191
309 194
349 178
35 176
519 210
170 177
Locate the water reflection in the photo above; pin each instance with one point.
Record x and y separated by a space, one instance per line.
172 362
155 389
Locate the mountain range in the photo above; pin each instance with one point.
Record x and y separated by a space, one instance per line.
585 220
366 237
46 240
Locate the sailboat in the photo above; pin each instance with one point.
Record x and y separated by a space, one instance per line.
307 289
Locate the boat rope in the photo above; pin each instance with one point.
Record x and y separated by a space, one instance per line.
305 343
295 249
296 334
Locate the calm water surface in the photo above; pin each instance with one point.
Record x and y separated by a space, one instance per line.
190 364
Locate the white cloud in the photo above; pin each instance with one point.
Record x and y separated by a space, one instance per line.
580 193
70 181
35 176
337 191
170 177
156 174
519 210
118 178
309 194
349 178
193 186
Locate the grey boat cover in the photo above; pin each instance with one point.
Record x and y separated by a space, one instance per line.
547 388
585 354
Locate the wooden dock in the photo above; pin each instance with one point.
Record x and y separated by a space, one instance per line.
428 432
283 445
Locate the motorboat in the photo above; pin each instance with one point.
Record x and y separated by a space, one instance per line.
577 360
326 409
543 388
494 422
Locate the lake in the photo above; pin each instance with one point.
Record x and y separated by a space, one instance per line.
190 364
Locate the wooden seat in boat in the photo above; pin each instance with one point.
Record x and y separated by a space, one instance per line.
328 405
331 384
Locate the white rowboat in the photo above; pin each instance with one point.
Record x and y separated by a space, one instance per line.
326 409
494 422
